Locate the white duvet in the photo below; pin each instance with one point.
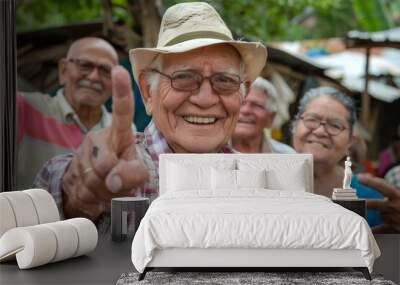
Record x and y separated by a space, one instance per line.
253 218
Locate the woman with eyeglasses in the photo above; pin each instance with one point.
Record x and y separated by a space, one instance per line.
323 127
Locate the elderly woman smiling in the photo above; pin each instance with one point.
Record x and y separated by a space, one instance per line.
323 127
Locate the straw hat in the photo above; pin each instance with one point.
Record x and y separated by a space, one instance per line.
189 26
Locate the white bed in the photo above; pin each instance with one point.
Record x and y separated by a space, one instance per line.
242 210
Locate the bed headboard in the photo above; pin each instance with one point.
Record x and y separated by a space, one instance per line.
291 169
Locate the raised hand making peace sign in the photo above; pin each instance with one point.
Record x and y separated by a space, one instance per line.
106 164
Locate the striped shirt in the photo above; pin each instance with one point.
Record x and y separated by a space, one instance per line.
47 126
149 145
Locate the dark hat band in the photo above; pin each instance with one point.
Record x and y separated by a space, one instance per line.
198 35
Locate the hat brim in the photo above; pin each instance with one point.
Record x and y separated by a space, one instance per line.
253 54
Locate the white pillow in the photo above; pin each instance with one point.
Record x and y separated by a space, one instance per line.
182 177
251 178
223 179
282 174
294 180
227 179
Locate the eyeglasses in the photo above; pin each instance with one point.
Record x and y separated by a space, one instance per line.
332 127
222 83
86 67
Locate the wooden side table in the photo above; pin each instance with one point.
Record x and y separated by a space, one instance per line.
358 206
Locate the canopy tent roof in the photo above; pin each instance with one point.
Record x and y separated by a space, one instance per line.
349 67
376 89
297 62
388 38
352 64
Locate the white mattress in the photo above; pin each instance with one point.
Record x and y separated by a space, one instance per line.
252 218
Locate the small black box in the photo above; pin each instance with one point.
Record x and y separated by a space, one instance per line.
126 214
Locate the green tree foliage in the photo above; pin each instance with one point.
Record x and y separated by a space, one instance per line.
372 15
268 20
33 14
274 20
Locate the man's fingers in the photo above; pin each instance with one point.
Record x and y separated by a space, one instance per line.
122 111
383 229
96 158
127 175
390 218
379 205
379 185
92 173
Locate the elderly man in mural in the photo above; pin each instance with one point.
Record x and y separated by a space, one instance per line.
257 113
192 84
49 126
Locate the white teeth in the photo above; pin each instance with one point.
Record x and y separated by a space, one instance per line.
200 120
320 143
246 121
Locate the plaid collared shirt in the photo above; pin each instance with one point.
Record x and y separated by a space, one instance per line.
149 145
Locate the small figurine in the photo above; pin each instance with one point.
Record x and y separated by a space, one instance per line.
346 192
347 174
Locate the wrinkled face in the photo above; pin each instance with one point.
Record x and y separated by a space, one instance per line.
253 117
197 121
325 148
83 85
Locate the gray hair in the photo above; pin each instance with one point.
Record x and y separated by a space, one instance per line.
333 93
153 78
263 85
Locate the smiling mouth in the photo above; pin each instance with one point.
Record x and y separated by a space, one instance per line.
246 121
318 143
95 86
91 88
200 120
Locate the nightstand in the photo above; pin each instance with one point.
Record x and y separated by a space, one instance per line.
358 206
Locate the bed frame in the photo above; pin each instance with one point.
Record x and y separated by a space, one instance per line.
248 259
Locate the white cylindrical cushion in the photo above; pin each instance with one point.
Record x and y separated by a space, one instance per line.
67 239
34 246
7 218
87 235
23 208
40 244
45 205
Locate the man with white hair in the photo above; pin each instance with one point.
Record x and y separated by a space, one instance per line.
257 113
50 126
192 85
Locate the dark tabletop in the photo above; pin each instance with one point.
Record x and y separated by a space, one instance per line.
104 265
